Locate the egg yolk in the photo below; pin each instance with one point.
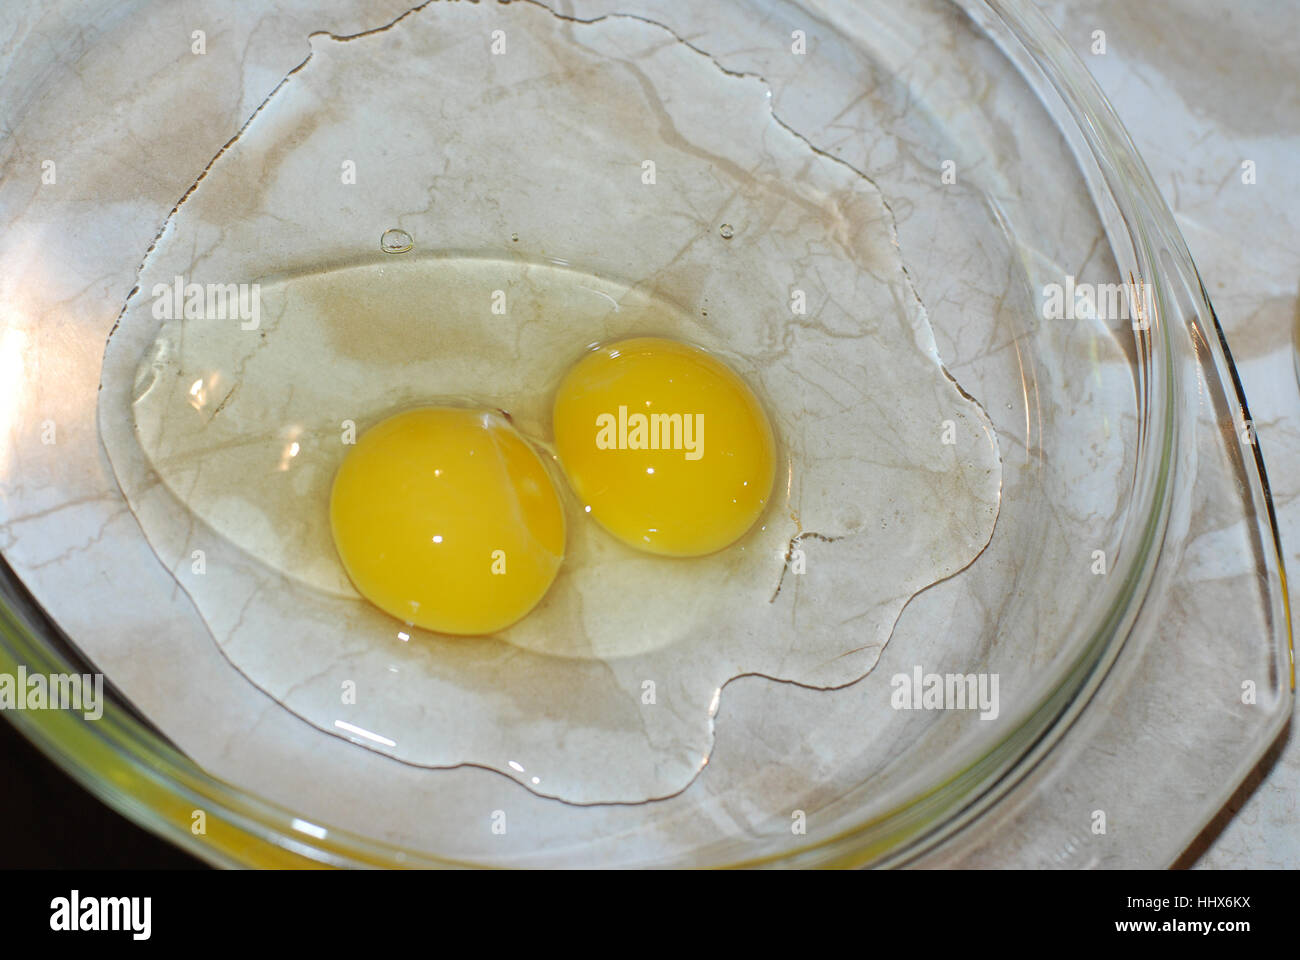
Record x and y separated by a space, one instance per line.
667 448
447 519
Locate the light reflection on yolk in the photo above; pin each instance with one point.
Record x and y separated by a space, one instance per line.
665 445
446 518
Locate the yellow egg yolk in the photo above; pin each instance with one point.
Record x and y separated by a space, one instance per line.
447 519
666 447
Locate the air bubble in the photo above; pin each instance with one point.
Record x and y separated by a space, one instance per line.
396 241
727 231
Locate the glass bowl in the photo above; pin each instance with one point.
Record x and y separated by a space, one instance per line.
1131 600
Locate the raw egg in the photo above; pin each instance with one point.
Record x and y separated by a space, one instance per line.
667 448
447 519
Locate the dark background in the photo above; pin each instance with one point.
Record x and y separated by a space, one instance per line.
51 822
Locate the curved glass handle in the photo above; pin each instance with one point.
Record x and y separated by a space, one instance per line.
1205 682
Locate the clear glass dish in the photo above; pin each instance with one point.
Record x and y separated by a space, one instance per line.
1133 577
